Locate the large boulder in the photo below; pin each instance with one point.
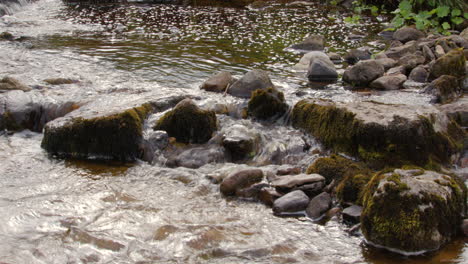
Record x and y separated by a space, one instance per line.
267 104
452 63
218 82
406 34
97 131
188 123
350 188
412 211
381 134
311 43
251 81
363 73
321 69
444 89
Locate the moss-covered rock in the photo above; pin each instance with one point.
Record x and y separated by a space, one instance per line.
350 189
444 89
266 104
452 63
412 210
188 123
381 134
336 168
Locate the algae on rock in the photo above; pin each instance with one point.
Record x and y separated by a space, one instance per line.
265 104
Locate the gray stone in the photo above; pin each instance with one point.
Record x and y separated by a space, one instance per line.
355 55
319 205
363 73
321 71
406 34
240 141
304 62
396 70
291 202
398 52
251 81
291 181
387 63
444 89
154 141
464 34
439 51
218 83
352 214
419 74
389 82
335 57
410 61
311 43
240 180
197 157
428 54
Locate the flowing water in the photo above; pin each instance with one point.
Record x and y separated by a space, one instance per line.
65 211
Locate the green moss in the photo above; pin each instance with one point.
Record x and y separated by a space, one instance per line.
452 63
9 122
351 187
188 123
336 168
116 136
266 104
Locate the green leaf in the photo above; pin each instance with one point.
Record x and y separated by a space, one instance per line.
420 25
457 20
398 21
405 5
465 15
443 11
445 25
456 12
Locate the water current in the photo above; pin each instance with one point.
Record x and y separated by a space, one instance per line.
65 211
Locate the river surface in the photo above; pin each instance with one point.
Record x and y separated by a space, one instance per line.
65 211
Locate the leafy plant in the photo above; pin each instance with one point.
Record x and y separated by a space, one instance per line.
359 8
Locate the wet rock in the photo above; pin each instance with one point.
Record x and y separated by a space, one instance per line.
6 36
335 168
267 104
352 214
218 83
464 227
380 134
395 43
363 73
154 141
240 180
387 63
288 171
107 133
188 123
291 202
444 89
10 83
308 182
413 85
251 81
380 56
355 55
268 195
453 63
31 110
59 81
311 43
406 34
241 142
334 57
457 111
412 210
396 70
439 51
304 62
419 74
428 54
197 157
321 68
389 82
319 205
410 61
350 188
398 52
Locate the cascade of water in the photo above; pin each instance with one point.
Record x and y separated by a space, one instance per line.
8 7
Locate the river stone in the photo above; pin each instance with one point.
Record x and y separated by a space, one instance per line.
406 34
311 43
251 81
444 89
6 36
154 141
240 141
291 181
396 70
240 180
453 63
464 34
218 83
412 210
304 62
319 205
355 55
321 69
188 123
268 195
10 83
410 61
30 110
398 52
291 202
352 214
439 51
59 81
103 130
428 54
419 74
387 63
267 104
457 111
197 157
363 73
380 134
389 82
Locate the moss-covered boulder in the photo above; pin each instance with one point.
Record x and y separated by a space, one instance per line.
336 168
381 134
412 211
350 189
452 63
266 104
444 89
188 123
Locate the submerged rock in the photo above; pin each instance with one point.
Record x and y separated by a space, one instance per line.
444 89
218 83
241 142
453 63
267 104
406 34
378 133
311 43
195 158
412 211
291 202
10 83
363 73
240 180
319 205
188 123
251 81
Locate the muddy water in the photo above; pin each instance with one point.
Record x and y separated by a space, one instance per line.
57 211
